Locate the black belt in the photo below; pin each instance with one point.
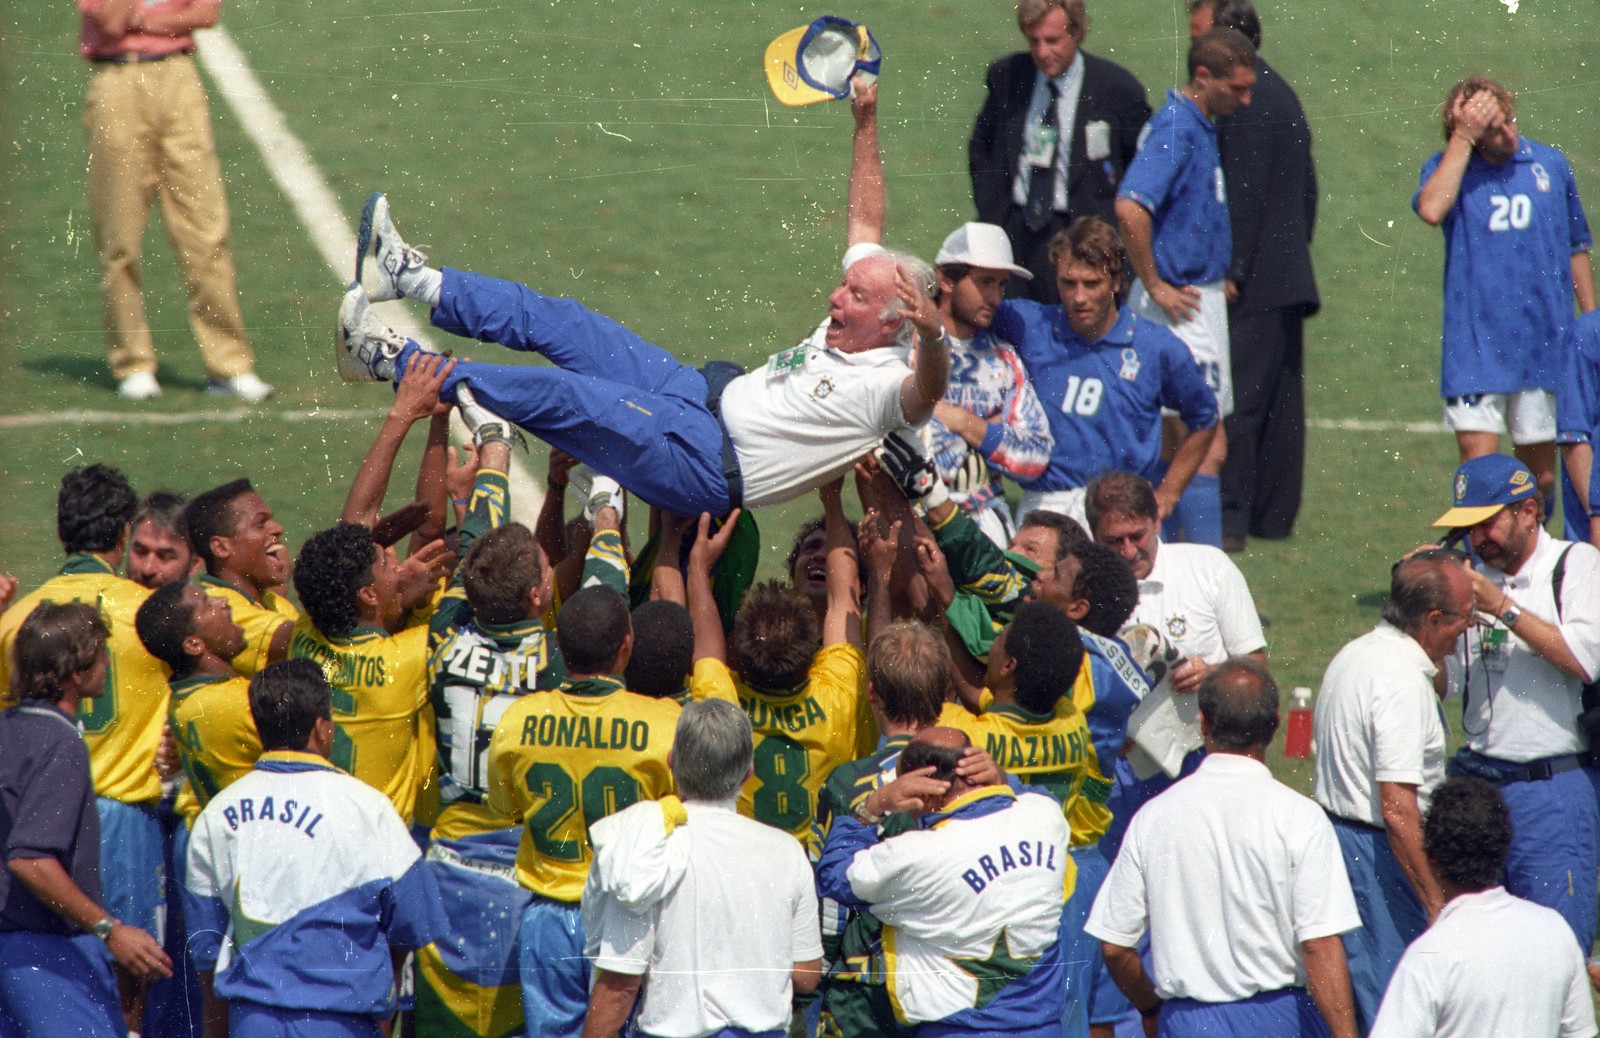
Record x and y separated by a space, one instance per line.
136 57
1469 762
718 373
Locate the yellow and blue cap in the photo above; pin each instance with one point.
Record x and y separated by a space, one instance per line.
816 62
1485 485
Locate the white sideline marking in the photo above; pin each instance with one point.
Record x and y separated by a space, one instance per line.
325 223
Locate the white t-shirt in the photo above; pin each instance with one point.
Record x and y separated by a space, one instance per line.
804 417
1491 964
1378 720
1519 707
1198 599
1230 870
719 949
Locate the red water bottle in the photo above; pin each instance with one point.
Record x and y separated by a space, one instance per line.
1297 738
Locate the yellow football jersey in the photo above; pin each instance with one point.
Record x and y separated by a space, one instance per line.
380 688
564 759
801 735
260 620
216 737
1052 752
123 726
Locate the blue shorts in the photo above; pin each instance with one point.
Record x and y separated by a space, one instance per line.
469 980
1288 1013
52 986
1391 915
555 975
132 869
172 1008
252 1020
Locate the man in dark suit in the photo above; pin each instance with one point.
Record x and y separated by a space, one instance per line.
1036 166
1271 290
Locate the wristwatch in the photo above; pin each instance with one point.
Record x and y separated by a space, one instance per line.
1512 614
103 928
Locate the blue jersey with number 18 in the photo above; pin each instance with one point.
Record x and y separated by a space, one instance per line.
1104 398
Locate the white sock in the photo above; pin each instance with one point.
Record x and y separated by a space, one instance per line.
423 284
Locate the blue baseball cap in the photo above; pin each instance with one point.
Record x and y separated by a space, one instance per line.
1485 485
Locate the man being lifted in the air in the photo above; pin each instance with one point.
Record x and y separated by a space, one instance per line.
633 412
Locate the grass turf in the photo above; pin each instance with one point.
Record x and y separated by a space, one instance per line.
631 156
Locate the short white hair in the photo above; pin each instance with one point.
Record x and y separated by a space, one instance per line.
920 271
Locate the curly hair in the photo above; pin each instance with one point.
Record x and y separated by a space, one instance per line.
663 649
333 567
1049 654
775 636
1106 582
54 643
93 508
1467 833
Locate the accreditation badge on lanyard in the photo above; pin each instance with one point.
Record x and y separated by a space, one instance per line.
1496 649
1041 150
783 364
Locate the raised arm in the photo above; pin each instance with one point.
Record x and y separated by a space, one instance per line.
710 641
930 365
866 200
413 401
841 623
1474 116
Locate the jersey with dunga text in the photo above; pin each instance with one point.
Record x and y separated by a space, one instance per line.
801 734
560 761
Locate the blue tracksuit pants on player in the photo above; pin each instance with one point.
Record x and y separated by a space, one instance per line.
620 404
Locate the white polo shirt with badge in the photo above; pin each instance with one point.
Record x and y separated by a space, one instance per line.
1519 707
1197 598
810 412
1378 720
1229 871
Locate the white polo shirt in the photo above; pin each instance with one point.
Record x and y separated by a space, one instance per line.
1490 964
1197 597
807 415
1519 707
1378 720
715 915
1229 870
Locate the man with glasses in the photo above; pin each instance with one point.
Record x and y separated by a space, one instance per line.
1380 741
1523 681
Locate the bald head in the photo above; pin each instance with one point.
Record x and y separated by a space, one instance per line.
1239 707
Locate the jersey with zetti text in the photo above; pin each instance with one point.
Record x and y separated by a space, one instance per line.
560 761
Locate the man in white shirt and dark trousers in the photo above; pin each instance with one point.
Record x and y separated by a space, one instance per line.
1380 738
1238 880
1491 963
712 914
1522 685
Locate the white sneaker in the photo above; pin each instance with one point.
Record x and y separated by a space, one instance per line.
141 385
382 256
483 423
596 492
364 348
247 387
